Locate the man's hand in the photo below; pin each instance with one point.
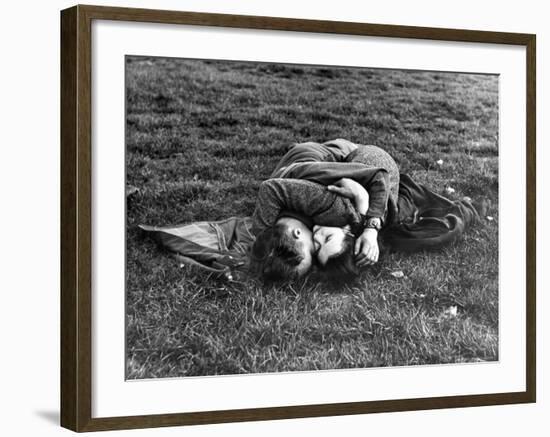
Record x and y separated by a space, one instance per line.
347 188
352 190
366 248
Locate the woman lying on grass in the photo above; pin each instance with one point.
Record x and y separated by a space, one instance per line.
345 234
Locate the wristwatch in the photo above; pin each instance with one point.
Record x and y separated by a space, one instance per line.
373 223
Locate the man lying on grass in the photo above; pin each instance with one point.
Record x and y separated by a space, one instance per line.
216 246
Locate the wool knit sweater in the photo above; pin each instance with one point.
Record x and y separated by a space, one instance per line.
303 194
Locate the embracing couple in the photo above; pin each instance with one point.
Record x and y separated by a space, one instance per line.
326 204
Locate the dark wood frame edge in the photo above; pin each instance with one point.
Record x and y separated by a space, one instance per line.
76 253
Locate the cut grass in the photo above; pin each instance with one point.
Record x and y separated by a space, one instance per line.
202 135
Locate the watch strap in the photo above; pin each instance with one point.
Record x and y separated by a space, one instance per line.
373 223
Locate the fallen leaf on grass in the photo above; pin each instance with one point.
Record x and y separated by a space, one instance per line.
451 311
131 190
398 274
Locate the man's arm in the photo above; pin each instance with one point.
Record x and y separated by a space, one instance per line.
366 248
304 197
374 180
354 191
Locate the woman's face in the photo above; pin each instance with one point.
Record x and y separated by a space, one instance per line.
328 241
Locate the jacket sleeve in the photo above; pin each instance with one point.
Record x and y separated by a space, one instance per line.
374 179
379 192
300 196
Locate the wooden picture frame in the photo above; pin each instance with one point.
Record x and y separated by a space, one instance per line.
76 218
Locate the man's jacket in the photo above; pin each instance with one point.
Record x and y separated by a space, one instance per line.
219 247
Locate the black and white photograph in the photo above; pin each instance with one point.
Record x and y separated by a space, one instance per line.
269 219
294 217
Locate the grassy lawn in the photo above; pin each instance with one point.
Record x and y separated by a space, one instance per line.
202 135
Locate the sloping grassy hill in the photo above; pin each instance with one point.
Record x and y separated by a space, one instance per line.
202 135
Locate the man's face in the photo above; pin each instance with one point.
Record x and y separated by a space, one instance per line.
303 238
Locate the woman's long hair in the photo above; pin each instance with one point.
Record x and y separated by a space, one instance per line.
341 266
